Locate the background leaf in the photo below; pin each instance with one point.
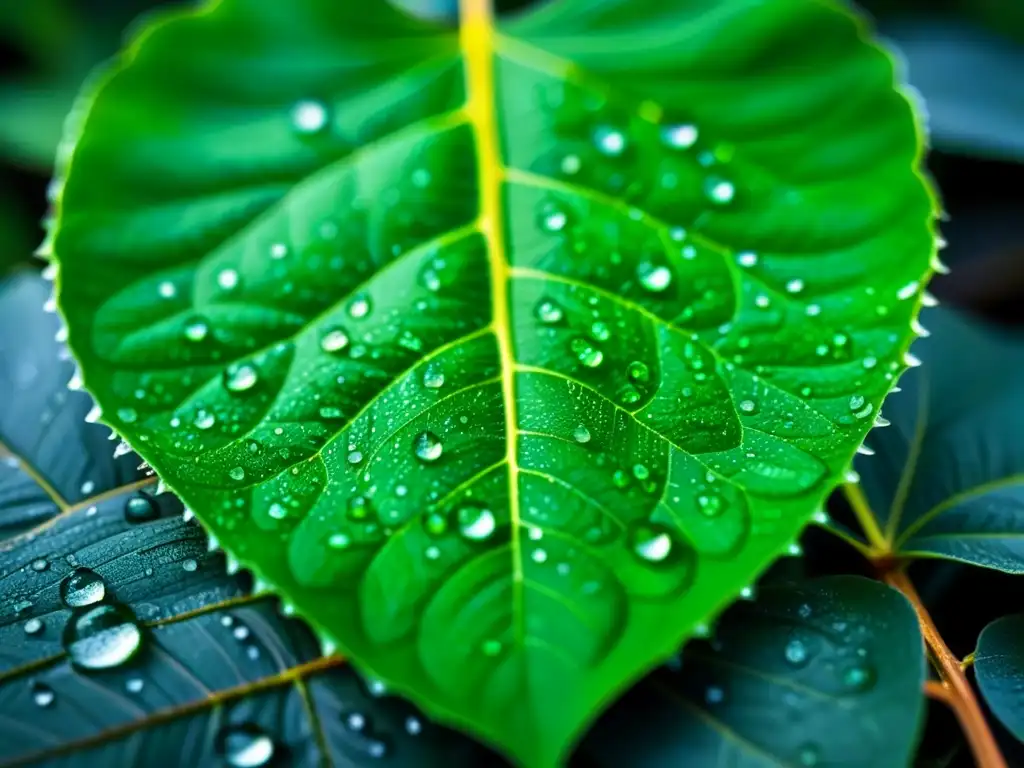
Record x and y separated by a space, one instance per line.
158 656
372 360
819 673
948 477
999 668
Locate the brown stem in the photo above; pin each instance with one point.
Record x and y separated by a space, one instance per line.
957 692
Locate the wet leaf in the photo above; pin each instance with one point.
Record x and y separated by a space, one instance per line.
947 479
999 669
819 673
491 351
122 638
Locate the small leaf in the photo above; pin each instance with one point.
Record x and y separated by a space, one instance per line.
947 479
508 356
999 668
824 672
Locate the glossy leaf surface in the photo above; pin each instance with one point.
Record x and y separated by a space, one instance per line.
124 642
999 668
821 673
947 479
492 350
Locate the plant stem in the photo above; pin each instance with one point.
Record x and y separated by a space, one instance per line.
958 693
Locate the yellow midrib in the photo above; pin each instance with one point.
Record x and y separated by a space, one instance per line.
476 38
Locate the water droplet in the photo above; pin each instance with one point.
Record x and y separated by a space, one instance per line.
127 415
134 684
204 419
433 377
227 279
42 695
680 136
196 330
413 726
428 447
356 721
278 251
334 340
714 695
581 434
88 487
711 504
795 285
748 406
586 352
719 191
641 472
651 542
358 508
859 677
40 564
309 117
140 508
189 565
82 587
166 289
236 473
539 556
476 522
655 278
549 312
338 541
610 141
570 164
34 626
355 457
746 259
359 307
244 746
796 653
102 637
240 378
553 218
277 511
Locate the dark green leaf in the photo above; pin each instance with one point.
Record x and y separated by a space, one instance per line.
491 380
999 669
821 673
948 477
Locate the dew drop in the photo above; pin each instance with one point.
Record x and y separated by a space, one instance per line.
548 312
355 457
413 726
236 473
610 141
42 695
167 290
581 434
309 117
570 164
277 511
140 508
338 541
586 352
433 377
33 626
334 340
278 251
82 587
858 677
189 565
746 259
719 191
134 684
714 695
240 378
553 218
359 307
651 542
795 285
680 136
244 746
196 330
796 653
476 522
748 406
655 278
204 419
40 564
127 415
711 504
103 637
227 279
428 447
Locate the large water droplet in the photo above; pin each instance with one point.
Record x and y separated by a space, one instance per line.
610 141
334 340
428 447
227 279
196 330
244 746
680 136
240 378
82 587
204 419
638 372
586 352
42 695
140 508
549 312
433 377
476 522
711 504
360 306
102 637
236 473
34 626
651 542
309 117
796 653
719 191
581 434
654 277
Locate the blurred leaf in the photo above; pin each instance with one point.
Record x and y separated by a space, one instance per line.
33 118
971 83
948 477
15 234
999 669
122 639
826 672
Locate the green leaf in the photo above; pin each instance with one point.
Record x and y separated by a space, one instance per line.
948 477
999 669
189 666
509 357
822 672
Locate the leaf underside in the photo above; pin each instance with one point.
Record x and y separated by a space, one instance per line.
510 357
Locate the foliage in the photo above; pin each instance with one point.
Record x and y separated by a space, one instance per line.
508 381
